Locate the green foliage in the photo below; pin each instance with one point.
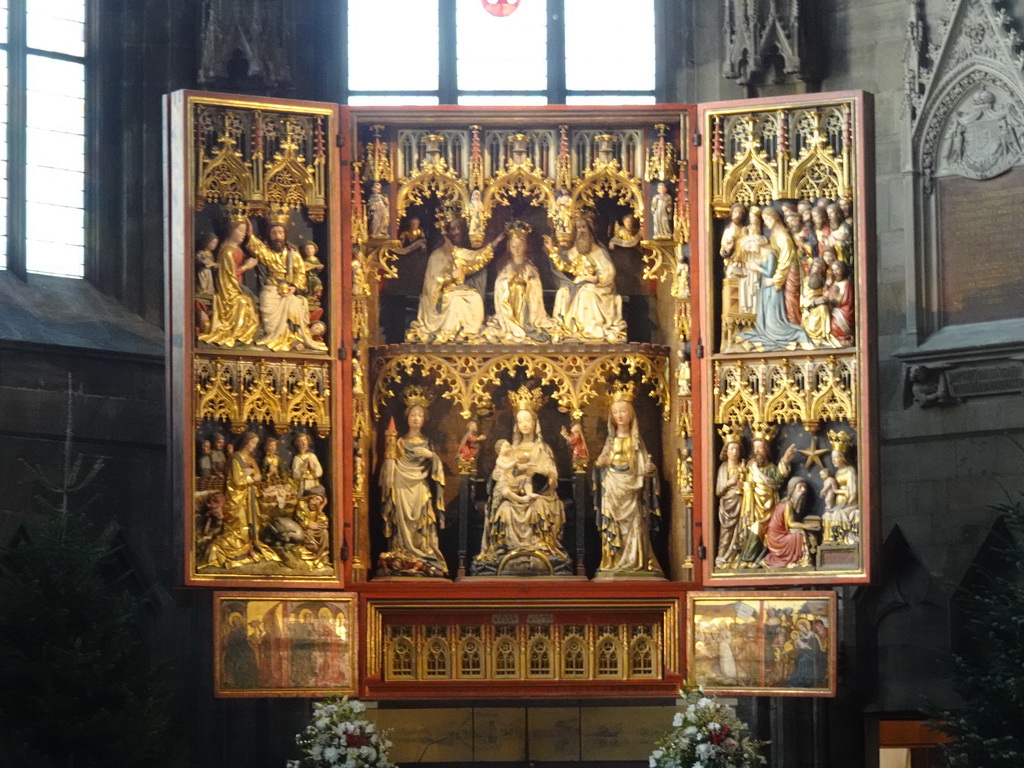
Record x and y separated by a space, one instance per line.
77 687
988 730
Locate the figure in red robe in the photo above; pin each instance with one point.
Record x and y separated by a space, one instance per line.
786 537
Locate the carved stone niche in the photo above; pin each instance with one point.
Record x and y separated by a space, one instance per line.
965 98
771 47
248 46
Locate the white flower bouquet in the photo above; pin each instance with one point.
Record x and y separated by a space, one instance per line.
339 737
706 734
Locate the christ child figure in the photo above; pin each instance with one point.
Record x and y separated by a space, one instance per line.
829 488
509 483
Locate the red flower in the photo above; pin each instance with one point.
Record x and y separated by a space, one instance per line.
717 737
355 740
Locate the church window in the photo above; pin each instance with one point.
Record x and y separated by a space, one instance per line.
546 52
42 139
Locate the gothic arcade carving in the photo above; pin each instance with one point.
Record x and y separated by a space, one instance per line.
767 41
517 271
247 43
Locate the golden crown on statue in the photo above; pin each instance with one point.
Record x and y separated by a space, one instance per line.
764 431
278 218
731 433
623 391
448 214
415 395
840 441
518 228
526 399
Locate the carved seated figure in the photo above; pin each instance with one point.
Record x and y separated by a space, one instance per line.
524 517
519 314
842 519
587 307
452 300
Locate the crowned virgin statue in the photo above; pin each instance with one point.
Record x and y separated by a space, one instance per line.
626 493
524 516
412 485
519 314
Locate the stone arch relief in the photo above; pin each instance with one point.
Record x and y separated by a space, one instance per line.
965 93
964 97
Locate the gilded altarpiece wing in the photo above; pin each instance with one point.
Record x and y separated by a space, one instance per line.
785 274
254 282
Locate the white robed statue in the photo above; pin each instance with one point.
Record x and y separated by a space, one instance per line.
525 517
588 307
626 493
452 300
519 314
412 486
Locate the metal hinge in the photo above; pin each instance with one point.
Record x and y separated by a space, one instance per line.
700 349
339 140
696 138
342 352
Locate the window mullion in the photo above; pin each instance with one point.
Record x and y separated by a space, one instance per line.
556 52
447 44
17 149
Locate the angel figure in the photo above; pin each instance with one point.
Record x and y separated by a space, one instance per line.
627 233
469 446
577 443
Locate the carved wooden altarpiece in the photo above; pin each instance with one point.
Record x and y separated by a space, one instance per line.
476 367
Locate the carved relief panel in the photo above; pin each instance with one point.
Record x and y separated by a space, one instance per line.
257 291
784 272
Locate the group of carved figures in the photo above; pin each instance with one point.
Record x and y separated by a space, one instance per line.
524 516
762 510
255 507
788 276
587 306
284 316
